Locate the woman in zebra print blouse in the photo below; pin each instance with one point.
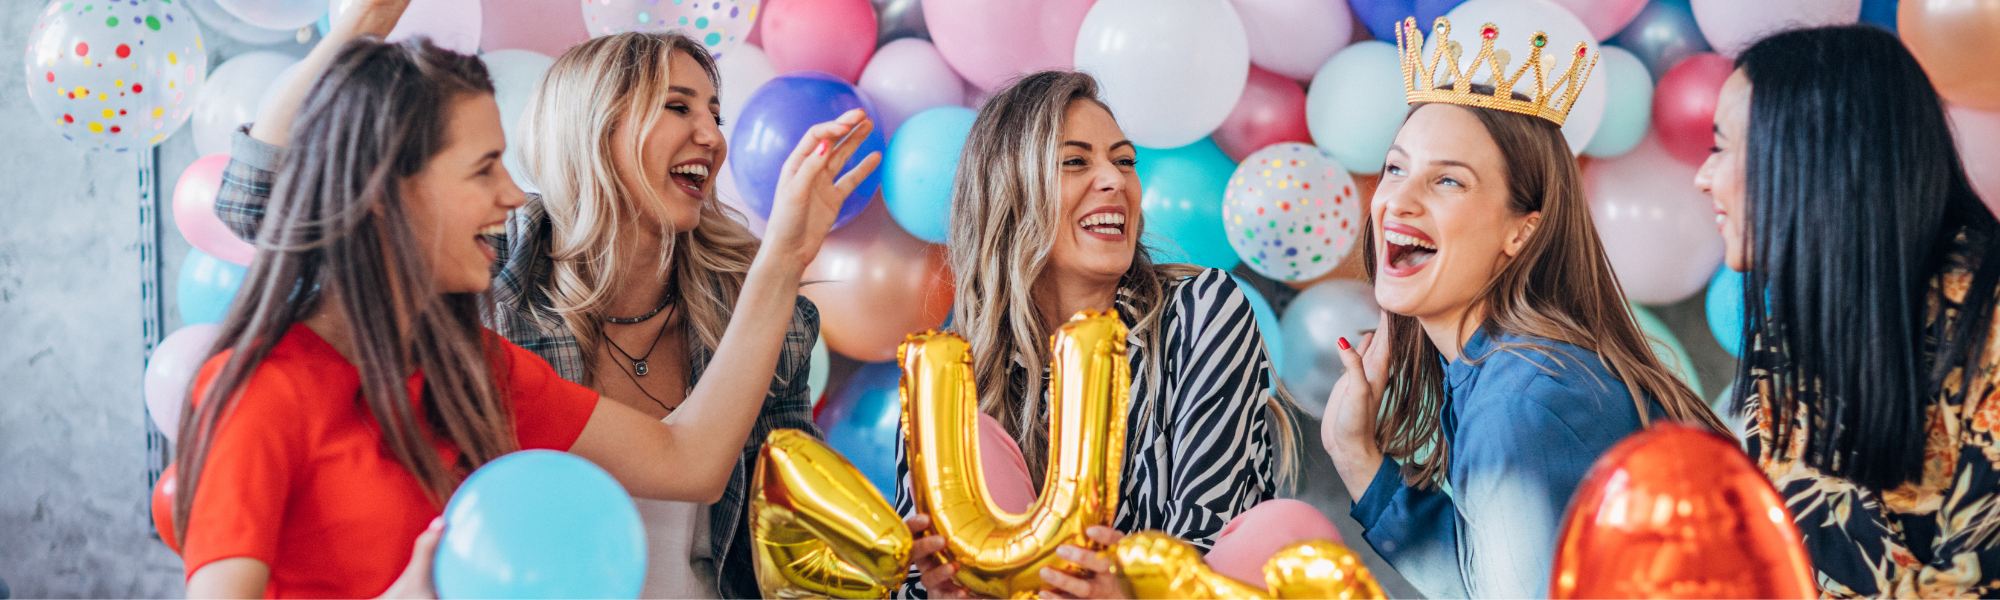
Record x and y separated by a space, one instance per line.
1046 223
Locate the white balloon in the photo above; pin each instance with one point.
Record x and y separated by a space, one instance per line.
282 15
232 96
1517 22
170 370
516 74
1171 70
1293 37
1731 26
216 19
1357 103
1658 230
905 77
451 24
1313 325
743 70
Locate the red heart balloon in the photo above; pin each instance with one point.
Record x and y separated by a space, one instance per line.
1677 512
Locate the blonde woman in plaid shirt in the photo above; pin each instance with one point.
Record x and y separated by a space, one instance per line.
625 271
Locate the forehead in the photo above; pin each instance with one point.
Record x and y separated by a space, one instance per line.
685 71
1086 121
474 124
1445 132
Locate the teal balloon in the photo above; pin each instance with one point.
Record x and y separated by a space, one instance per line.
1628 106
1182 203
1666 347
1357 103
540 524
917 172
1726 317
206 287
1267 323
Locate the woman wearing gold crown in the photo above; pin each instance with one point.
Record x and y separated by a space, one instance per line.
1506 360
1876 269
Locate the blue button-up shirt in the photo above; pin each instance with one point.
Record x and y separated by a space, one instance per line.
1524 419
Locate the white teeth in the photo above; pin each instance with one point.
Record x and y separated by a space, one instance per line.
1103 220
695 170
1403 239
497 229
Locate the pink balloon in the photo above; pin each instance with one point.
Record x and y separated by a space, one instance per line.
1731 26
1684 105
1272 110
1978 136
194 211
451 24
834 36
905 77
992 42
1604 17
171 370
1658 230
545 26
732 197
1294 37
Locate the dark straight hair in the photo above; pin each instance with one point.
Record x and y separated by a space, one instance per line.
1855 194
338 231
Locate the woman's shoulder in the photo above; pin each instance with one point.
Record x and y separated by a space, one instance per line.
1188 291
1550 374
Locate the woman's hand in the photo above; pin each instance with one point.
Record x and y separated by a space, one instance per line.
1348 427
1101 582
415 582
370 17
809 194
934 573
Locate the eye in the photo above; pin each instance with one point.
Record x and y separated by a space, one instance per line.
1126 162
1393 169
718 120
678 107
1714 149
1448 180
1074 161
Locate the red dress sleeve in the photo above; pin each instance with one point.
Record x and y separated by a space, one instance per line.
549 411
246 482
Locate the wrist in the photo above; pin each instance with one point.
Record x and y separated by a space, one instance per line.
773 261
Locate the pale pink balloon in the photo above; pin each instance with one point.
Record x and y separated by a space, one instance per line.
545 26
1272 110
991 42
1731 26
833 36
732 197
171 369
905 77
1295 37
1604 17
451 24
1978 136
194 211
1658 230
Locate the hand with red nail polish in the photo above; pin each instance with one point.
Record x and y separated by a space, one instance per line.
1348 427
811 187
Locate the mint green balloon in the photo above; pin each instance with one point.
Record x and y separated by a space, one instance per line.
1182 202
1628 105
1357 103
1667 347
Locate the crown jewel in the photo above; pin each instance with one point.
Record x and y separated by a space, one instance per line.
1548 99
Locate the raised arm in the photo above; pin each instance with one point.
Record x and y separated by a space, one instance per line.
368 17
691 456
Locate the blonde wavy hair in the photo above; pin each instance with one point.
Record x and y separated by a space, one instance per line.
567 143
1003 224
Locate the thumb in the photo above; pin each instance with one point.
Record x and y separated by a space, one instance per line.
1350 358
415 582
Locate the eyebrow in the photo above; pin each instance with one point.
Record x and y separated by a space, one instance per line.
1114 147
1448 163
688 91
1718 130
1084 145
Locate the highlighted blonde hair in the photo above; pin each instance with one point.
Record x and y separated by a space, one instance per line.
567 146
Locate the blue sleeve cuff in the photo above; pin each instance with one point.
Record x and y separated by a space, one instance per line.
254 153
1372 502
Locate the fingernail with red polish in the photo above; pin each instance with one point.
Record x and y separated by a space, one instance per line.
821 149
1343 344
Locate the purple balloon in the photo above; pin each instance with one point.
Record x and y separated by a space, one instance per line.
773 121
1383 17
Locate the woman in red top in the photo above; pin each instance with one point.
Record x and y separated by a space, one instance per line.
353 387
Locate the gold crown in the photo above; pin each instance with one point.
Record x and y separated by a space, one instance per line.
1548 100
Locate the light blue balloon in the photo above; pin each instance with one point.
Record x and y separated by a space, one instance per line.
1357 104
862 422
1267 324
1628 103
1183 203
918 171
1726 316
541 524
206 287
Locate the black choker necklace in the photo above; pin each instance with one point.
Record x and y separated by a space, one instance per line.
665 299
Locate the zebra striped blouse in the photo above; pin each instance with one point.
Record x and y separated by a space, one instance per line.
1206 453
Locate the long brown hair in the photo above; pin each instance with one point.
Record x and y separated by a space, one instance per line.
568 140
337 231
1003 224
1559 288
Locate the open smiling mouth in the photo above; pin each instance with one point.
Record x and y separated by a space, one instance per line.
1104 223
1408 251
690 177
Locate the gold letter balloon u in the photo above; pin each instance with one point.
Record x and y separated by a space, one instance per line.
1000 554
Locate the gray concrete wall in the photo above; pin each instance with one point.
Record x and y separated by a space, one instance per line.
73 498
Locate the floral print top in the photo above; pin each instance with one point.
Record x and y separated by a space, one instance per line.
1936 538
